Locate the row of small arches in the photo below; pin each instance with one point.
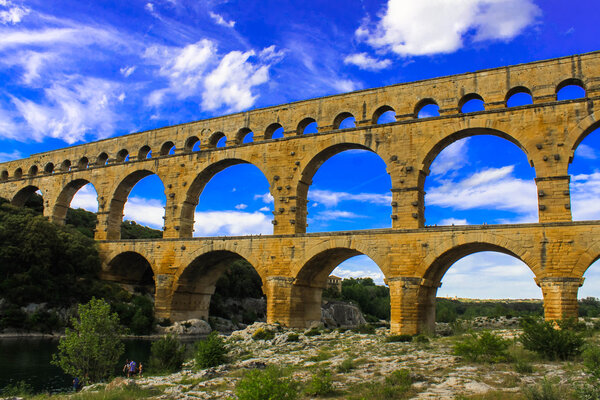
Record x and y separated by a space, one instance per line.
425 108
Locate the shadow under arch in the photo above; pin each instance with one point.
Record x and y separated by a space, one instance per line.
309 172
132 271
311 279
194 287
63 201
21 197
119 198
186 225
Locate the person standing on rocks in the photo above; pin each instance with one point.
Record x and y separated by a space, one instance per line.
126 368
140 370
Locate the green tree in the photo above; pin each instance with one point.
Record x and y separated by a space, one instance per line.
92 349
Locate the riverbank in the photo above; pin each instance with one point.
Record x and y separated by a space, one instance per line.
357 362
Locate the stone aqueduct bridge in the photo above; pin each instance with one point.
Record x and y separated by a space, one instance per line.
294 265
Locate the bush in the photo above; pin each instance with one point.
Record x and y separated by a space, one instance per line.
420 338
346 366
312 332
293 337
395 386
544 338
545 390
20 389
365 328
398 338
266 384
166 354
263 334
211 351
590 390
320 384
523 367
485 347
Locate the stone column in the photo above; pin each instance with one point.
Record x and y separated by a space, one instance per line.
162 295
560 296
171 228
554 201
408 208
427 302
280 304
404 294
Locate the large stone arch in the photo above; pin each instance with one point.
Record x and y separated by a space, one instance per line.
192 197
131 269
22 195
64 198
576 135
315 161
119 197
194 285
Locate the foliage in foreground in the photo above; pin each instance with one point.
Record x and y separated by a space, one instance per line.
395 386
20 389
268 384
167 354
92 349
546 390
211 351
321 384
483 347
590 390
552 342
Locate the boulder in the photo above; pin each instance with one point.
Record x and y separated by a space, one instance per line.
338 314
189 327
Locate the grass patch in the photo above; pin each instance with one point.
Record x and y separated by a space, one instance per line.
396 385
270 383
263 334
322 355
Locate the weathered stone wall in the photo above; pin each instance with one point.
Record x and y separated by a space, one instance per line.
293 264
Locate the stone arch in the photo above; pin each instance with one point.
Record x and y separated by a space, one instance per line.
131 270
581 131
214 139
145 152
468 97
118 200
337 121
18 173
570 82
516 90
586 259
241 135
271 130
4 175
303 124
186 227
379 112
83 163
194 285
423 103
65 166
33 170
190 143
63 201
21 197
166 148
49 168
308 173
122 155
102 159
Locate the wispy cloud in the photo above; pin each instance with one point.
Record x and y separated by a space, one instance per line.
585 191
332 199
331 215
11 13
14 155
453 221
454 157
412 28
86 198
219 20
366 62
266 198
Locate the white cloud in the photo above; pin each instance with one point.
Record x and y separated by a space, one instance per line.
13 14
586 152
221 21
452 158
329 215
72 109
331 199
490 188
127 71
264 209
453 221
266 198
585 192
86 198
14 155
149 212
430 27
359 267
364 61
345 85
220 223
241 206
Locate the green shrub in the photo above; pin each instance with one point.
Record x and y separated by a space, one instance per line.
523 367
365 328
395 386
420 338
312 332
485 347
544 338
211 351
545 390
321 384
293 337
322 355
267 384
263 334
346 366
590 390
20 389
398 338
166 354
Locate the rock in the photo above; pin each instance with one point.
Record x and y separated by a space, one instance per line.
338 314
224 325
118 383
189 327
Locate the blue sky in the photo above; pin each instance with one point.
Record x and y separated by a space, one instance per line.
72 72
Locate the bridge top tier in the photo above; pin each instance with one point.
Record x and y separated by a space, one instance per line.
541 79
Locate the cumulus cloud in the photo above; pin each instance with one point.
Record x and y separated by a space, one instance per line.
452 158
241 206
219 223
585 191
410 28
332 199
586 152
266 197
219 20
366 62
491 188
11 13
86 198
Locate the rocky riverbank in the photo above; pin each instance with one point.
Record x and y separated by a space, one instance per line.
353 359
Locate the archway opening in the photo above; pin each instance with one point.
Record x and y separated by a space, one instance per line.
167 149
30 197
306 126
33 170
221 284
480 179
4 176
342 274
518 96
588 294
65 166
349 190
384 115
102 159
274 131
471 103
83 163
192 144
217 139
145 152
570 89
584 171
427 108
228 198
76 205
122 155
344 120
245 135
49 168
505 286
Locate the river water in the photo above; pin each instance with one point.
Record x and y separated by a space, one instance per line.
28 359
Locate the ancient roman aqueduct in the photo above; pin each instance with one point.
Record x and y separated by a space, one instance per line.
294 265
